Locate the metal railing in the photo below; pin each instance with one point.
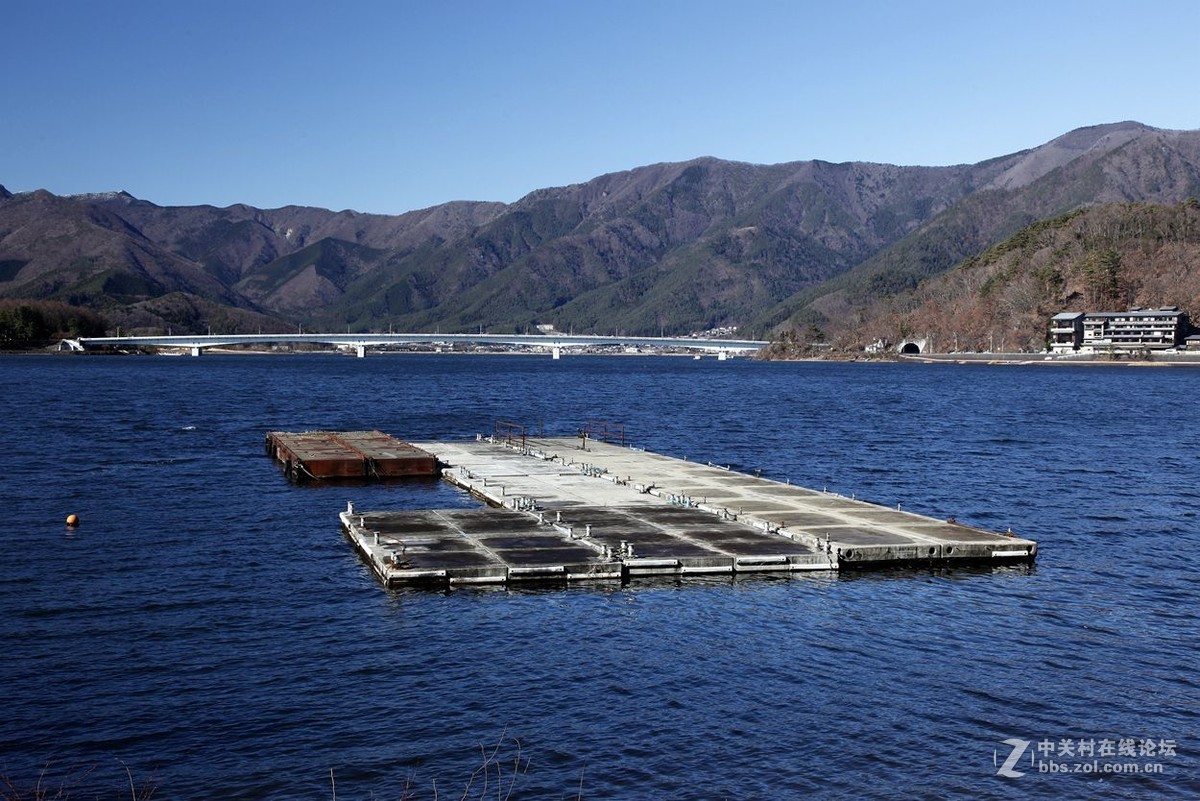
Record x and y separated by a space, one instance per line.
510 433
604 431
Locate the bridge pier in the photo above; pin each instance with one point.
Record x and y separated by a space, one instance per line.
556 353
360 351
197 350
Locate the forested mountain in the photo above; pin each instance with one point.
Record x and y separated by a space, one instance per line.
1109 164
1102 258
663 248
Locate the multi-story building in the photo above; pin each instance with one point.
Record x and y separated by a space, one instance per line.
1066 332
1118 332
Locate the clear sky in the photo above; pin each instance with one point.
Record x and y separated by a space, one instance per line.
391 106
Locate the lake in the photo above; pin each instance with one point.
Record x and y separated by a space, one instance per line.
208 627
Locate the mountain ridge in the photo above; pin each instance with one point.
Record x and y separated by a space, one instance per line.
668 247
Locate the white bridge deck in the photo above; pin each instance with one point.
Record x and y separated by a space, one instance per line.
196 343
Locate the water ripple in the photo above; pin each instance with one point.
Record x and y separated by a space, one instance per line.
209 626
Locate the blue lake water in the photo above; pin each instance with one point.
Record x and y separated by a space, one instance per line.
209 628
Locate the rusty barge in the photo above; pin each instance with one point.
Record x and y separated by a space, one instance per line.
330 455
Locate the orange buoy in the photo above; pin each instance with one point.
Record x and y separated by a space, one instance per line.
72 520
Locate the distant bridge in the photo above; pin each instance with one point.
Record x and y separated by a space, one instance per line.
554 343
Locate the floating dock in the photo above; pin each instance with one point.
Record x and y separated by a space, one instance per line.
572 510
325 455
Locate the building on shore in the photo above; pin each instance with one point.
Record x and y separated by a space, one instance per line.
1066 332
1129 331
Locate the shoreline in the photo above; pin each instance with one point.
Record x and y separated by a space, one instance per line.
222 351
995 359
1174 360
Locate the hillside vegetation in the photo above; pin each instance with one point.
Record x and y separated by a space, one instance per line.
26 323
1106 258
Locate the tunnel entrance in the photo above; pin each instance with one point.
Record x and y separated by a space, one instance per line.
910 347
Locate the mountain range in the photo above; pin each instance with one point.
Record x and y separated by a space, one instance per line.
666 248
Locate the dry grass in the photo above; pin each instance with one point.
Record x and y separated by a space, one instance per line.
54 784
501 766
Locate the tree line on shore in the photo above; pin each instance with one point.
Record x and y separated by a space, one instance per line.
28 323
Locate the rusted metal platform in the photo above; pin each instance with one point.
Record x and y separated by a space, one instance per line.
330 455
387 457
572 509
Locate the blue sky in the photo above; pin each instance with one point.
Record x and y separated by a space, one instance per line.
391 106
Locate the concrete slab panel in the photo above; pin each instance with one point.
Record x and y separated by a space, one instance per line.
647 500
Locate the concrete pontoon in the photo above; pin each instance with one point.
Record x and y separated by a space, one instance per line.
577 509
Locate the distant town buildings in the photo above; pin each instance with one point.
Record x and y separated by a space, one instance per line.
1119 332
715 333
